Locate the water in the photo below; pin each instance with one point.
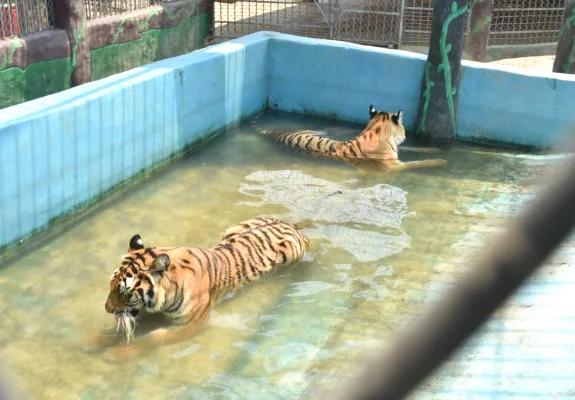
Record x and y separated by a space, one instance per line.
381 248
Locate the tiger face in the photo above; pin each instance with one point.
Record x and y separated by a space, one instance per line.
134 285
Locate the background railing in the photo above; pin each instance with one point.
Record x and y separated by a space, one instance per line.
23 17
382 22
105 8
390 23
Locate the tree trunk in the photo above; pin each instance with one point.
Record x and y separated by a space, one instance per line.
442 73
565 56
70 15
479 25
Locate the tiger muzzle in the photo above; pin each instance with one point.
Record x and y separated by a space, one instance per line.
114 303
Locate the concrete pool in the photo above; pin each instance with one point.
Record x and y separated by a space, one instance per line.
62 152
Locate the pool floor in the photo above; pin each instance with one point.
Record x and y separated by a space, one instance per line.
382 249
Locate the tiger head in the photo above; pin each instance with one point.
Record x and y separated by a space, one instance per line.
396 128
135 284
383 133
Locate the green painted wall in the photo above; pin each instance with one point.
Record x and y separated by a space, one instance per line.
154 45
40 79
43 78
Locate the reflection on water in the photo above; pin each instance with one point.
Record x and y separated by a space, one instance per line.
378 246
363 221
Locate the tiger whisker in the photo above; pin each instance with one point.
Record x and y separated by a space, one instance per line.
127 323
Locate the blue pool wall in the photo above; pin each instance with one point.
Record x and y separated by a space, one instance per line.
505 105
65 150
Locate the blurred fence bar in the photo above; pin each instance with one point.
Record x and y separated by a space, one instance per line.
528 241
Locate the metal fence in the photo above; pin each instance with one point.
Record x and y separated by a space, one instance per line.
23 17
360 21
526 21
299 17
105 8
381 22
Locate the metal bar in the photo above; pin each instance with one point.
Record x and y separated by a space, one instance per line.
401 15
32 17
40 14
419 8
414 31
528 9
25 18
518 32
10 18
351 11
322 13
330 16
19 27
4 24
528 241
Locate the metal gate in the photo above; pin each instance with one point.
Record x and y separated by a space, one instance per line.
375 22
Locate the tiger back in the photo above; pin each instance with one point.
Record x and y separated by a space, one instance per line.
375 147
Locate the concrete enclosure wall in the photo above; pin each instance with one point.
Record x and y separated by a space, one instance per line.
65 150
41 64
505 105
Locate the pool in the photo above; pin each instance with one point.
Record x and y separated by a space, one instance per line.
85 169
381 249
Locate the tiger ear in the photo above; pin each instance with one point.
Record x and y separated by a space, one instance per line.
398 118
136 243
372 112
160 264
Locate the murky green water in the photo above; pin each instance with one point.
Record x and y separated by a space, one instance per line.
379 248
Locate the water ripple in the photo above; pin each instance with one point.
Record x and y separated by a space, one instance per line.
365 222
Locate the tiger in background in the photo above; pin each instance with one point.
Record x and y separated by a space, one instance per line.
375 147
183 283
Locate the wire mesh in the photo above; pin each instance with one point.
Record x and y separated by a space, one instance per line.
300 17
417 23
382 22
417 18
367 21
105 8
526 21
23 17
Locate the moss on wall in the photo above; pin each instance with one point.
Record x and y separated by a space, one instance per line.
39 79
154 45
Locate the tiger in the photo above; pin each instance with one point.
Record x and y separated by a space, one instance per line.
183 283
375 147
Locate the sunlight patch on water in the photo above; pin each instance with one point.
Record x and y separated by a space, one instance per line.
331 205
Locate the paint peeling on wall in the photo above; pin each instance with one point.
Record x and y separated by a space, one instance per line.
8 58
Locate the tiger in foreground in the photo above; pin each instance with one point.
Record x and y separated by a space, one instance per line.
183 283
376 147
